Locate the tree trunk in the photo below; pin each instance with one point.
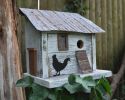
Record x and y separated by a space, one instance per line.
10 64
117 77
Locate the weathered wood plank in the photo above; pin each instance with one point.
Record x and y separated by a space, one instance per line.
115 31
86 3
51 4
104 36
92 10
44 4
83 61
45 55
123 15
110 34
60 4
98 36
72 43
120 30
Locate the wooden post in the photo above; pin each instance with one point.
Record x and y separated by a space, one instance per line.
32 61
38 4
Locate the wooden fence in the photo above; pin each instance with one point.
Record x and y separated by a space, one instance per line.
108 14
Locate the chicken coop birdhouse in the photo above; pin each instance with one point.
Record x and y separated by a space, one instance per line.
58 44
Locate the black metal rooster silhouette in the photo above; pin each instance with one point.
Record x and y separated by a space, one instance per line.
58 66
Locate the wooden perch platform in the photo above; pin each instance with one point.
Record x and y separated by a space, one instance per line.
58 81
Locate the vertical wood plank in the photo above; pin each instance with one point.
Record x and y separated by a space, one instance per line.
104 36
98 36
94 66
120 29
115 31
86 3
51 5
123 8
92 10
43 4
44 55
109 35
60 4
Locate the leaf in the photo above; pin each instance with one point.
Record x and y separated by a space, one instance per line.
52 95
86 82
72 79
67 97
73 88
89 81
103 81
40 91
35 97
25 82
95 95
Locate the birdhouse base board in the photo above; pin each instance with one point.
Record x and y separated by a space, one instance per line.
58 81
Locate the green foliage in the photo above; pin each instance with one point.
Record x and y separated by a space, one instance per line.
77 88
25 82
76 6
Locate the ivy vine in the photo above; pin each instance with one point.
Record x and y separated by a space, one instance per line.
76 6
77 88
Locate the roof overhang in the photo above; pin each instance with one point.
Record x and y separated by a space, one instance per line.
55 21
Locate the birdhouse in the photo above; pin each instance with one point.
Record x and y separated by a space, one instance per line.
58 44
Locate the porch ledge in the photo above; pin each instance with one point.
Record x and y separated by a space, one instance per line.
58 81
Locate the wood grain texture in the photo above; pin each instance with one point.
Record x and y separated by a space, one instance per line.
32 40
61 55
10 53
110 35
115 30
49 21
98 37
83 61
104 36
44 59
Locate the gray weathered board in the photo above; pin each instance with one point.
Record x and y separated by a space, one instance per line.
72 66
45 21
58 81
83 61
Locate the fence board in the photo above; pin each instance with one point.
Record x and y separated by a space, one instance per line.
115 31
120 29
98 36
109 35
104 36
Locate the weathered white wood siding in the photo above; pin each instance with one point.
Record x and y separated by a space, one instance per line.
72 66
47 45
94 51
44 51
32 40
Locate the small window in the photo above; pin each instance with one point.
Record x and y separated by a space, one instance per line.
62 42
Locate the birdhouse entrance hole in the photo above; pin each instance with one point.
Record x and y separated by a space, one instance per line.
80 44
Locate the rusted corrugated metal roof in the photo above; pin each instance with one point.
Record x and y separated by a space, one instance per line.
45 20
